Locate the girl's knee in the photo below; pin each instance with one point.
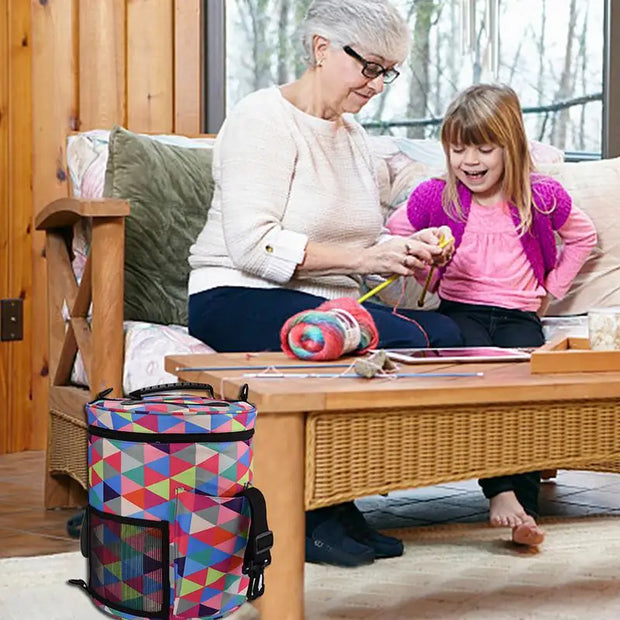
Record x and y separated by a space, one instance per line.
446 333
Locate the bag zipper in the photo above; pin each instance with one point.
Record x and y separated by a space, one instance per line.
108 433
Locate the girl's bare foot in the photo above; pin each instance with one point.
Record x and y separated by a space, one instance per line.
528 533
506 511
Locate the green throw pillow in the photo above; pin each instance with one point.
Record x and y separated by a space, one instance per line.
169 189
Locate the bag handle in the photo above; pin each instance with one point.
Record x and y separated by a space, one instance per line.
169 387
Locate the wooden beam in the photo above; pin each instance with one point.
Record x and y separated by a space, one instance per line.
84 295
150 76
5 221
106 370
15 217
62 291
24 425
187 66
102 63
54 69
68 211
61 372
82 336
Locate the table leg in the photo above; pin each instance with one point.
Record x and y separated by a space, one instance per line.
279 447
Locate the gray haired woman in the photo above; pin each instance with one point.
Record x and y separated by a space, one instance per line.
296 220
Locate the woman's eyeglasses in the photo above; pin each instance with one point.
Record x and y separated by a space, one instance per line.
372 70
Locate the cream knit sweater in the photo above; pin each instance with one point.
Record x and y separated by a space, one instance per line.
283 177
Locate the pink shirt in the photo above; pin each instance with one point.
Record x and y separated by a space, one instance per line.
490 266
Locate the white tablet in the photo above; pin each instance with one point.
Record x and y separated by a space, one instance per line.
458 354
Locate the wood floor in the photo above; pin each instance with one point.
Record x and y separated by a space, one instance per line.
26 528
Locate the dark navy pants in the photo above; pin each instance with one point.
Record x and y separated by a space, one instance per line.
249 319
501 327
485 326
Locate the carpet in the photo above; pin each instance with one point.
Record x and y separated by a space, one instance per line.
456 571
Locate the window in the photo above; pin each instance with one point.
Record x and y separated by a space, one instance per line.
550 51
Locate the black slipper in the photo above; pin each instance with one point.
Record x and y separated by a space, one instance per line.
74 525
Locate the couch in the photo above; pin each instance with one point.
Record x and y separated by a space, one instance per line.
117 266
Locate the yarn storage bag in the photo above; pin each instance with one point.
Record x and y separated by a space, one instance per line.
173 528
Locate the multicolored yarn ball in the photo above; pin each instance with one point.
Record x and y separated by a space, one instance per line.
334 328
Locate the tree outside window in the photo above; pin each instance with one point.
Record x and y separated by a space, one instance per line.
550 52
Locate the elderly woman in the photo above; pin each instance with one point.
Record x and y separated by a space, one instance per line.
296 220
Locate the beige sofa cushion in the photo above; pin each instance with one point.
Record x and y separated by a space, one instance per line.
595 188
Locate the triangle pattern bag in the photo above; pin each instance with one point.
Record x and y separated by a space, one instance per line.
174 528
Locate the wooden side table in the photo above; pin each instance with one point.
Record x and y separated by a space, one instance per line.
324 441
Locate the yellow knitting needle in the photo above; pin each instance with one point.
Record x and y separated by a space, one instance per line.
377 288
442 243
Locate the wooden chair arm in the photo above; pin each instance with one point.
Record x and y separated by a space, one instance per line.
67 211
100 340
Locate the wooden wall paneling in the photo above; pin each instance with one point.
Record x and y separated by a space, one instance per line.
21 222
102 63
55 113
15 218
150 56
187 66
5 352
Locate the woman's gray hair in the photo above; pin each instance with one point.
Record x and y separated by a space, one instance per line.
374 25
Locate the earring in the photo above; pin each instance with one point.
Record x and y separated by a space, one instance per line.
319 63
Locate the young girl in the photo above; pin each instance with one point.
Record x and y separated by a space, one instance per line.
505 265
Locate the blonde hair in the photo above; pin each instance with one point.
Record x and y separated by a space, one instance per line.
490 114
375 25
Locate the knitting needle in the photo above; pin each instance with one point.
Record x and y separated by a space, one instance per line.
427 283
228 368
443 242
329 375
377 288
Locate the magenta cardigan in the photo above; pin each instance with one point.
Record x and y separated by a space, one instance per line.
552 207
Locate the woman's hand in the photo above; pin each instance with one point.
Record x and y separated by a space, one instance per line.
400 255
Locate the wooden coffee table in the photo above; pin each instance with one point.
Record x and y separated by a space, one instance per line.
323 441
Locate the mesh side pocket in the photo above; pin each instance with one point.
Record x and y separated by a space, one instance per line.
129 564
209 539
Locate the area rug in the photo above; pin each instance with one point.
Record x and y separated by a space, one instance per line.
448 572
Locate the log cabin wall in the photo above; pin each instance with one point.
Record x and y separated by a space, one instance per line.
69 65
16 429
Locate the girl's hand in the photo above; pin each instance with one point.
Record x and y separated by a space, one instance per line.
436 236
399 255
544 305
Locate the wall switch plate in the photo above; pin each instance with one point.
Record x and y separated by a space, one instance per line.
11 319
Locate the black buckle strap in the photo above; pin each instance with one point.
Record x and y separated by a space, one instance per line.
260 540
244 392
